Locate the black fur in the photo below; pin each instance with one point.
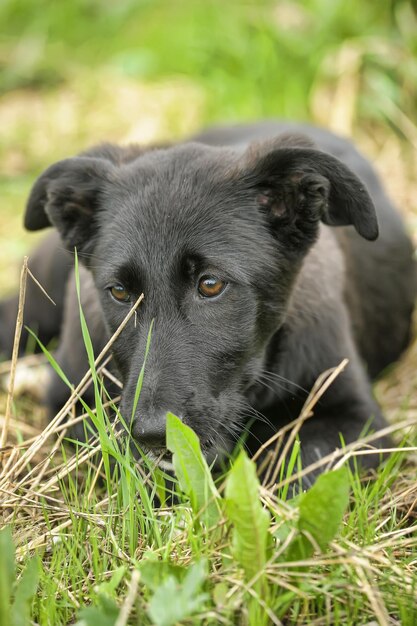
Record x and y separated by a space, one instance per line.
300 296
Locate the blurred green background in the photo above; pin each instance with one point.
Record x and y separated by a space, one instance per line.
77 72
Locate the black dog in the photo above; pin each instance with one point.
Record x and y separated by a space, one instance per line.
261 267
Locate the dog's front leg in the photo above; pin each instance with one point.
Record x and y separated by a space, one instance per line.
344 415
326 435
332 433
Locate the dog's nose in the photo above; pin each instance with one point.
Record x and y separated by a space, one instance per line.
150 430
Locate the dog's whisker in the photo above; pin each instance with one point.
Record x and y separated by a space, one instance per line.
250 411
273 387
274 376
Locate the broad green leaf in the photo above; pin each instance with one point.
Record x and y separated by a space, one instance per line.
251 536
93 615
154 573
192 471
249 518
222 599
105 614
323 506
174 600
283 531
109 586
25 590
321 513
220 591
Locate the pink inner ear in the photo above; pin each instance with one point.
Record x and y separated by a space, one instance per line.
263 199
276 206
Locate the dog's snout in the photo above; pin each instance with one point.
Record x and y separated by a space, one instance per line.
150 429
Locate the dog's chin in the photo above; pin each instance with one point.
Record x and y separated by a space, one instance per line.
162 458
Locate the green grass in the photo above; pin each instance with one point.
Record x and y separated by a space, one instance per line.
89 538
272 53
366 571
231 552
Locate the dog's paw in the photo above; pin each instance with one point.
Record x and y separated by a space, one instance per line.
31 378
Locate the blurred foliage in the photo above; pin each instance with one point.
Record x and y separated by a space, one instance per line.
252 59
76 72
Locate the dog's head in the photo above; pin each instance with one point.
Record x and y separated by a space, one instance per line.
214 239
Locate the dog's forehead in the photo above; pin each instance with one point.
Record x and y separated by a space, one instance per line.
186 200
178 177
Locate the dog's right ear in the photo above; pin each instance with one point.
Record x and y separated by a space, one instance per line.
67 196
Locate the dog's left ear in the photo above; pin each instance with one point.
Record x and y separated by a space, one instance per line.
303 184
67 195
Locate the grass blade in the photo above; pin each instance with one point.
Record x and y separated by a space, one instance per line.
7 574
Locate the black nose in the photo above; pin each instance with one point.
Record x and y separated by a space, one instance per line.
150 430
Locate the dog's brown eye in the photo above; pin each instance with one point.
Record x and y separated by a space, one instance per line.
210 286
119 293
